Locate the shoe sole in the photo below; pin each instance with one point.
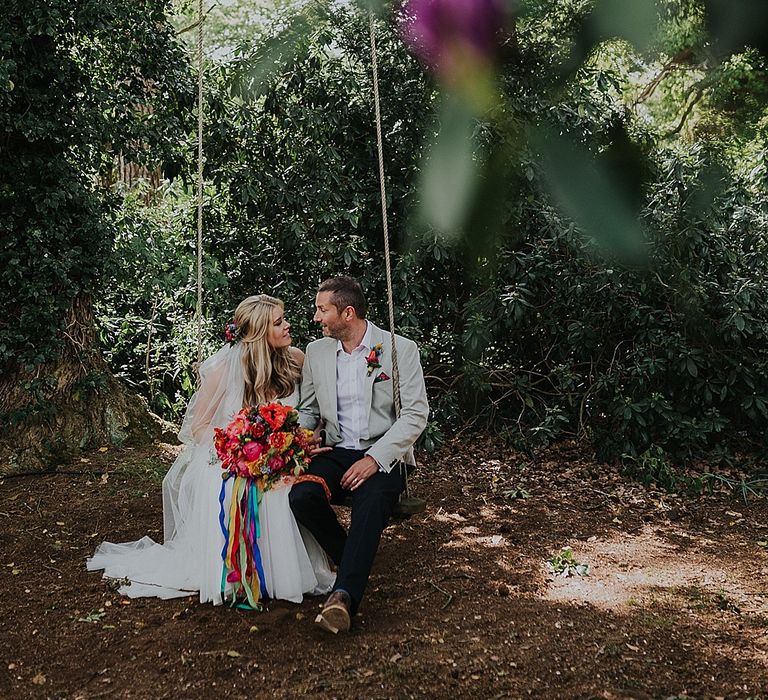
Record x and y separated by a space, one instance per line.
334 619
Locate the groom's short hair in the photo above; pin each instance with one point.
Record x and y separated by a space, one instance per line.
345 291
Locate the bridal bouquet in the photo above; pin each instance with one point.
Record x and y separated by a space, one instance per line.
257 449
263 443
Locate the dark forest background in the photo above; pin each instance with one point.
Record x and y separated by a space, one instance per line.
581 248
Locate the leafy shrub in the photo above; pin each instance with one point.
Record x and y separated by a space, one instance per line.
538 333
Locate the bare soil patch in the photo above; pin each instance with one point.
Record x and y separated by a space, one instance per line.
460 603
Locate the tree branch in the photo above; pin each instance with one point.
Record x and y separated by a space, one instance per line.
699 94
194 24
676 62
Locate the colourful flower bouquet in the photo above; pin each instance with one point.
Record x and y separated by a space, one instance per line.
260 447
264 443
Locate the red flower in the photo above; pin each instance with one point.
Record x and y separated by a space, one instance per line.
373 358
276 464
275 414
231 332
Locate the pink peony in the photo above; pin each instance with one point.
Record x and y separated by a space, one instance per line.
252 451
276 464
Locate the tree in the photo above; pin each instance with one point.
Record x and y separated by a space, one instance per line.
81 82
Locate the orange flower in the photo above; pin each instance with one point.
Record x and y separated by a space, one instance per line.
280 441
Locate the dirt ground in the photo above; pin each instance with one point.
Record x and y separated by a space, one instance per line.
460 603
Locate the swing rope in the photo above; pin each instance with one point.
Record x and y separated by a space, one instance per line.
384 217
199 307
385 225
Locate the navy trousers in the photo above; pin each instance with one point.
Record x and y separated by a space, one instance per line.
372 505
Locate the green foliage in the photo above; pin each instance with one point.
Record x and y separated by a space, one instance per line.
526 324
81 82
93 616
146 311
537 313
671 355
564 564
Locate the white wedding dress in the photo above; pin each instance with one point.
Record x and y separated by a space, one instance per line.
190 559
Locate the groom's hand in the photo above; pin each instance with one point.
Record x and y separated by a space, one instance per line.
317 444
359 472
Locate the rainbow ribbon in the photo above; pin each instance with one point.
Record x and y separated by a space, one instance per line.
242 564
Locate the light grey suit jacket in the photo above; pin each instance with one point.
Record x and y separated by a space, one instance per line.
390 439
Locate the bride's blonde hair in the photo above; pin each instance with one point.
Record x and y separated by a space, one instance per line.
269 372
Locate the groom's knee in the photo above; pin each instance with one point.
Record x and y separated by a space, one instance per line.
304 497
372 498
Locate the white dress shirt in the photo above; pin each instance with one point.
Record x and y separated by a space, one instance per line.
351 374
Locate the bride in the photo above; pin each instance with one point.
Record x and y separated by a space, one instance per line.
258 365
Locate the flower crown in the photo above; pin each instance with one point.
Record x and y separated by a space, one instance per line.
232 332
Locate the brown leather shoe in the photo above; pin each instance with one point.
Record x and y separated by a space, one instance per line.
335 616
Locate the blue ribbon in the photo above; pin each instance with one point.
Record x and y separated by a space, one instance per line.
254 505
224 528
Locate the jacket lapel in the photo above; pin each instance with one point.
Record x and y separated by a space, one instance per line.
376 338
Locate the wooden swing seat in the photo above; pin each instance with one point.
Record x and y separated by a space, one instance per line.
407 505
405 508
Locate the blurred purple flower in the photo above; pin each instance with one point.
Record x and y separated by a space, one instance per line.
447 33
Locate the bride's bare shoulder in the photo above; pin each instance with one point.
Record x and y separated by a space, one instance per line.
297 355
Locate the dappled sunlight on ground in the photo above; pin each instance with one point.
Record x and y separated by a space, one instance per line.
459 603
630 570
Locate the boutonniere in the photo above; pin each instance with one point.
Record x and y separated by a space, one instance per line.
373 358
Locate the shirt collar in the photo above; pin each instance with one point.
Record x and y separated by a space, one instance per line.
365 343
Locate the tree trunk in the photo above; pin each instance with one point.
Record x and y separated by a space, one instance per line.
69 405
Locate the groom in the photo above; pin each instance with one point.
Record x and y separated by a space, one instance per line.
347 384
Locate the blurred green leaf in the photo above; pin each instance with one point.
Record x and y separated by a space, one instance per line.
633 20
451 170
737 24
584 190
